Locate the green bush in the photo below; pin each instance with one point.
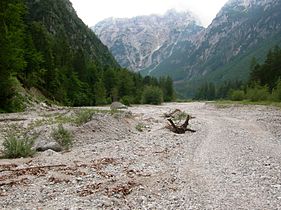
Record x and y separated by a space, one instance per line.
108 100
84 116
140 127
237 95
17 103
63 137
276 93
258 93
127 100
152 95
15 147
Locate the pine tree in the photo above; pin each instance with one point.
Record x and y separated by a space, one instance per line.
100 93
169 90
11 48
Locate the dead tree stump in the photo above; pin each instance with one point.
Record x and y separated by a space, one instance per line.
180 129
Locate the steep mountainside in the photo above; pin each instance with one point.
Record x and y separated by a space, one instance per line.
145 42
243 29
47 52
240 27
61 22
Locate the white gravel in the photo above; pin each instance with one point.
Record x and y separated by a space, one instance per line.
233 161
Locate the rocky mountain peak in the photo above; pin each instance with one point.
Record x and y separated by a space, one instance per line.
185 15
143 42
248 3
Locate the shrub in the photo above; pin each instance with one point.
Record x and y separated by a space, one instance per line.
152 95
140 127
63 136
15 147
237 95
276 93
258 93
84 116
17 103
127 100
108 100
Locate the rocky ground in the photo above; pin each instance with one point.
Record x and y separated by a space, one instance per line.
129 160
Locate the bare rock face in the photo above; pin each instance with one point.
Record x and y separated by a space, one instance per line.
239 26
174 44
143 42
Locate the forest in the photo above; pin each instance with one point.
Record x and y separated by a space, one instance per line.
264 82
40 50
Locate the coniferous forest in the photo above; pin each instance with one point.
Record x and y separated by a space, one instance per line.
44 45
264 82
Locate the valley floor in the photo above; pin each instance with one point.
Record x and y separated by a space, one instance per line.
233 161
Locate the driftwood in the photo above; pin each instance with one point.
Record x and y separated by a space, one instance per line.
180 129
12 119
33 168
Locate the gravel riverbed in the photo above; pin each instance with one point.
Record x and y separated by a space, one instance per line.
233 161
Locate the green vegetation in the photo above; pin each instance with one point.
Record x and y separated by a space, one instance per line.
210 91
127 100
84 116
11 50
257 93
63 137
152 95
228 103
264 83
38 51
140 127
15 147
237 95
268 73
276 92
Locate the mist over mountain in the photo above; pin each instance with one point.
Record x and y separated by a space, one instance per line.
179 47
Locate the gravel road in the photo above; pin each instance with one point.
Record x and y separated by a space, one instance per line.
233 161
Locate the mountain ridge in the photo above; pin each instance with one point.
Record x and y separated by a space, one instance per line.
144 41
49 54
242 29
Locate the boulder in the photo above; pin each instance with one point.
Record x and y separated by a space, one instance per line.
118 105
43 145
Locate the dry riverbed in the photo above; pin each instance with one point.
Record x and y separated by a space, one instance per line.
130 160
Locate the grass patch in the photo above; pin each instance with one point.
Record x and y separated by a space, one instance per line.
84 116
50 120
16 147
228 103
63 137
81 117
140 127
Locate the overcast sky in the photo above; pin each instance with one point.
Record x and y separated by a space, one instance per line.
93 11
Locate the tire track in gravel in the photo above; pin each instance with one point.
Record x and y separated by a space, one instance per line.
233 163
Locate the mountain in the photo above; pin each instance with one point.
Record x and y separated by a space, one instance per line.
61 22
48 54
243 29
144 42
190 54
